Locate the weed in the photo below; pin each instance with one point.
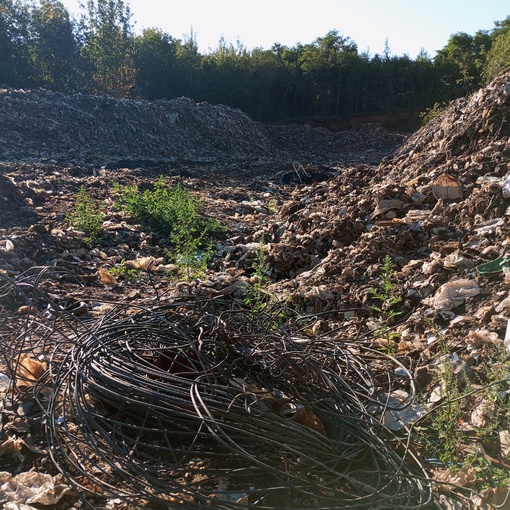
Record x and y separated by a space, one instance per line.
86 216
388 298
272 206
497 394
448 415
488 474
192 260
431 113
443 435
257 296
124 272
175 212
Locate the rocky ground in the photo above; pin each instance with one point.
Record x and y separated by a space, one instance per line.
327 211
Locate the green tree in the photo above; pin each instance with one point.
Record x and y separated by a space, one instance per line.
498 58
53 48
224 67
156 60
325 64
189 68
109 47
15 65
461 63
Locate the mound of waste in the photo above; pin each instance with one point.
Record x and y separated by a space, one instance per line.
99 130
381 284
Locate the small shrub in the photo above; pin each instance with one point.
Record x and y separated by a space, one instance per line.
272 206
175 213
387 299
123 271
256 295
431 113
86 216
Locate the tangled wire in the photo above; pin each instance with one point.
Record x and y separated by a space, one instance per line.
197 403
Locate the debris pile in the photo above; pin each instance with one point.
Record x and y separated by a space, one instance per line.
90 130
405 255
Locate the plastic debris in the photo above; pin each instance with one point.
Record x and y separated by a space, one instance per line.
489 226
455 260
32 488
507 336
506 187
4 382
494 267
400 414
454 293
6 246
385 206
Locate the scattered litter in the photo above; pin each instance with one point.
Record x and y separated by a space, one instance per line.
401 412
494 267
32 488
5 382
507 336
454 293
446 187
506 187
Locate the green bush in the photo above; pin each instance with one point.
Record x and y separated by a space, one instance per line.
86 216
431 113
175 213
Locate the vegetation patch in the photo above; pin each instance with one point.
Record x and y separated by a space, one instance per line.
176 214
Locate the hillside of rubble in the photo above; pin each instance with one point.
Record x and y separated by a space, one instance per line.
85 130
327 211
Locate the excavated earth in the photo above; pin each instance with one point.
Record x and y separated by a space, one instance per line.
327 208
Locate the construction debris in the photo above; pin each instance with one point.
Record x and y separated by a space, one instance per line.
391 243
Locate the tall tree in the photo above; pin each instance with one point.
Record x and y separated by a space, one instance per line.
498 58
15 66
461 63
228 75
189 67
155 60
325 63
53 48
109 47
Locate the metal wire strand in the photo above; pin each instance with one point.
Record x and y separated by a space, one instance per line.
198 402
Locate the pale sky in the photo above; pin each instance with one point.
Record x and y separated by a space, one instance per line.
408 25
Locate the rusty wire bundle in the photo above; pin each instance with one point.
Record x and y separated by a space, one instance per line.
185 405
200 402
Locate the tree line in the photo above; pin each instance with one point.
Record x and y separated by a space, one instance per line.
42 45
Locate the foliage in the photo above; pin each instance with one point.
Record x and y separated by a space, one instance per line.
123 271
40 45
440 430
156 61
431 113
448 415
86 216
272 206
498 59
256 295
15 64
175 213
387 298
109 48
54 50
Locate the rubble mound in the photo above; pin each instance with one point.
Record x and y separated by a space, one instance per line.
100 130
444 195
470 139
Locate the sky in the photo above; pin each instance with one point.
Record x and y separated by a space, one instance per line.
407 25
